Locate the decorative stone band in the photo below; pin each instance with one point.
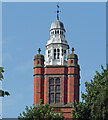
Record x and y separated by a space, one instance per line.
60 92
59 44
38 66
60 84
73 75
55 66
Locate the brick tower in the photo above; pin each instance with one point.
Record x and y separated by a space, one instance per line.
56 79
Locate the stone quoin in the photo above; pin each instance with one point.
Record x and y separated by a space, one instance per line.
56 77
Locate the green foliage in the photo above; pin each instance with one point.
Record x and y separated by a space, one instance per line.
95 101
40 112
2 92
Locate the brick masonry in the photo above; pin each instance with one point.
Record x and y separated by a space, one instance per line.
69 76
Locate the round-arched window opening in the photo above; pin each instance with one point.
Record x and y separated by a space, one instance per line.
58 81
71 61
38 62
65 51
51 81
57 31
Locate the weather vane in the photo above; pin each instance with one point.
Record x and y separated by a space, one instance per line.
58 11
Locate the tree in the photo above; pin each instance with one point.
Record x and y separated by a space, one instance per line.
40 112
2 92
94 105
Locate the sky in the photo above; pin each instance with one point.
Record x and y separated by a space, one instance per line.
26 27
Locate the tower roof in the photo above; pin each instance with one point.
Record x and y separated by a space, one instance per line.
57 24
39 56
72 55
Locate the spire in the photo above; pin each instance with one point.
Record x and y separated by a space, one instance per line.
39 50
58 12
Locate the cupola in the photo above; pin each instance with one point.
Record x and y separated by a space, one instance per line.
39 59
72 58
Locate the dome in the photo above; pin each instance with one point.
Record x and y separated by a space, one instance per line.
72 56
57 24
39 56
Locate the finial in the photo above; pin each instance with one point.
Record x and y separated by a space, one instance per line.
72 50
39 50
58 12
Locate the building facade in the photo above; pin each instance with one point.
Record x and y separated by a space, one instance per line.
56 77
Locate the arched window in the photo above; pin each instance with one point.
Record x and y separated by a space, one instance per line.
62 52
51 81
58 53
54 90
57 31
71 61
38 62
54 53
62 32
58 81
49 52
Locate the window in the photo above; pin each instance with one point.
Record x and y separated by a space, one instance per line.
58 98
52 97
49 51
38 62
62 52
58 88
57 31
58 53
62 32
54 90
71 61
54 53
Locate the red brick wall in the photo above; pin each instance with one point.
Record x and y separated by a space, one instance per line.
64 89
37 90
57 70
72 70
69 85
46 89
66 112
